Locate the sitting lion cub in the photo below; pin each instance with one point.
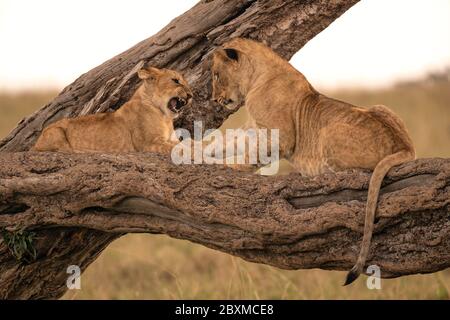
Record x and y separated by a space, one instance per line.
144 123
317 134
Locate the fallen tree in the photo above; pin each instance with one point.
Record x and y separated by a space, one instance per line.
65 209
286 221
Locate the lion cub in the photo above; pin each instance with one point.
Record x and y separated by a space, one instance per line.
317 134
144 123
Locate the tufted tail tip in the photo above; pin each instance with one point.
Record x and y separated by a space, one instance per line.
352 275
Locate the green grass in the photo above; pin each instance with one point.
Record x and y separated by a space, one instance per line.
158 267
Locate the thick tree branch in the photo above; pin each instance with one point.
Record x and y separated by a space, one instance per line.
289 222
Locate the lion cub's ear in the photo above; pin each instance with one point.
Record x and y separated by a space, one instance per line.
149 73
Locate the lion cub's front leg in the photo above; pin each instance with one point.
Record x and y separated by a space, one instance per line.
160 146
242 155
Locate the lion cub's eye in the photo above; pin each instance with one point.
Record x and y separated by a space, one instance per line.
176 81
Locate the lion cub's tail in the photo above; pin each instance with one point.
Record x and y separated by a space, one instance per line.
407 153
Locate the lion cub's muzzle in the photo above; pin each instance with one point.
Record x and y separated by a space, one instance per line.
230 104
223 101
177 103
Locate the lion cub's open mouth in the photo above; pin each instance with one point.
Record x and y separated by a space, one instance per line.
176 104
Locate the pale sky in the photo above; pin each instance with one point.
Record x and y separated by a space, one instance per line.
49 43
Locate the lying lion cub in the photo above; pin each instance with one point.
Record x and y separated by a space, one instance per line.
144 123
317 134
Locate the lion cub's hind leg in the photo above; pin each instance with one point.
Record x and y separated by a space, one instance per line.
53 139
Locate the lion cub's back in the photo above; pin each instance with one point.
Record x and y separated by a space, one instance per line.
360 138
395 124
98 132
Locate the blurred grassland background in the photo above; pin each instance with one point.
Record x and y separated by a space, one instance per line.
158 267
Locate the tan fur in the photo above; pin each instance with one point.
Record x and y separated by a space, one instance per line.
144 123
317 134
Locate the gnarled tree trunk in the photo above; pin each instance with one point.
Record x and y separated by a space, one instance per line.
77 204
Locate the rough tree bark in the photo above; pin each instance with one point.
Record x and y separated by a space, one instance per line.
286 221
75 220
